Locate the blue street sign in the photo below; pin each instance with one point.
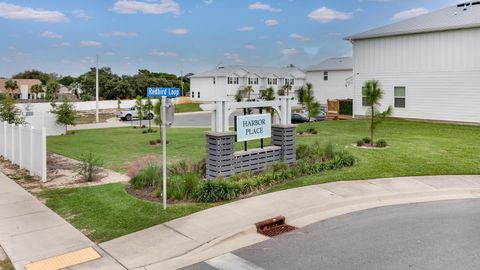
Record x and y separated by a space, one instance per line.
155 92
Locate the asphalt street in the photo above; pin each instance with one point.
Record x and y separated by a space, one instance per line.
197 120
436 235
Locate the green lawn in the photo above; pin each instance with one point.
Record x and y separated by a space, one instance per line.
417 148
6 265
106 212
187 107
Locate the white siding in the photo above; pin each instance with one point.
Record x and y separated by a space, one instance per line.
335 88
208 90
441 72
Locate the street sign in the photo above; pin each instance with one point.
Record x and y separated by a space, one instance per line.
156 92
253 127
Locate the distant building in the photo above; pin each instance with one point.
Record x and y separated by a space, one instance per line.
332 79
224 82
428 66
24 87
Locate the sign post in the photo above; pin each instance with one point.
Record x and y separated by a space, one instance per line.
164 93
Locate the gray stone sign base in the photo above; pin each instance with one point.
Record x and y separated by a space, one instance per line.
223 161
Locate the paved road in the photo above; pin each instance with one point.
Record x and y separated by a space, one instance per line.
191 120
437 235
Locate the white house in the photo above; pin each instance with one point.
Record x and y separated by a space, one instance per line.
332 79
224 82
428 66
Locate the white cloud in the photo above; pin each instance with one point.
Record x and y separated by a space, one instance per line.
48 34
298 37
208 2
88 60
61 45
80 13
159 53
407 14
250 46
109 53
90 43
246 29
118 34
263 6
233 57
179 31
325 15
291 51
14 12
133 6
271 22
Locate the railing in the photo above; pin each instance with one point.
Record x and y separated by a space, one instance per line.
26 147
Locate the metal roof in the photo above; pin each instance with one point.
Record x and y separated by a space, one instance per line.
461 16
332 64
245 71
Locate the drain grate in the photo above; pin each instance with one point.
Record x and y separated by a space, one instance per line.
274 226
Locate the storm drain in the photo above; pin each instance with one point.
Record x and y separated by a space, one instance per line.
273 226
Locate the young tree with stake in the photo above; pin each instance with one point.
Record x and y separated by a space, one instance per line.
66 113
139 108
373 94
147 108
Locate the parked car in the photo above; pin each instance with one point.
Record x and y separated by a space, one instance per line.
299 118
320 117
130 114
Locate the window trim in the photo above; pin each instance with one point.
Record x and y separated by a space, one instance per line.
363 97
404 97
325 76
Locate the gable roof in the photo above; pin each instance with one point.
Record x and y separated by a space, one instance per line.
332 64
262 72
462 16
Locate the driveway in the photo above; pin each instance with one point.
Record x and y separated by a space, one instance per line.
440 235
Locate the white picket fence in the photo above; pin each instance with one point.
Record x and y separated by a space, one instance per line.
26 147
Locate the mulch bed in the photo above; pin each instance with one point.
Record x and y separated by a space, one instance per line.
147 194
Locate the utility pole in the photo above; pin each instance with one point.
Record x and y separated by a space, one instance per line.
96 93
181 82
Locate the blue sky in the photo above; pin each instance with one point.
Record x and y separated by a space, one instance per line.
186 35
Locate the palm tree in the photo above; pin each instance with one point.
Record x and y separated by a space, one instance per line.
248 90
268 94
285 90
11 86
36 89
373 94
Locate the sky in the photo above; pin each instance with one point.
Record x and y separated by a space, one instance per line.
183 36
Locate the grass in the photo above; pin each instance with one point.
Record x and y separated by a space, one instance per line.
6 265
106 212
187 107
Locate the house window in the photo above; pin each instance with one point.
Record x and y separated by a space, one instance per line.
193 94
252 81
364 97
198 94
232 80
400 96
213 80
289 81
272 81
275 81
325 75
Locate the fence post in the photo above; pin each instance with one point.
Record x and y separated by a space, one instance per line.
12 142
5 140
20 146
44 154
31 151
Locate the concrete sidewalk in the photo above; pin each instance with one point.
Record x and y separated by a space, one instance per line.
222 229
30 231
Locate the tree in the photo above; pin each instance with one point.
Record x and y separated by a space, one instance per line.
66 113
286 89
139 108
248 90
35 74
301 96
268 94
67 80
239 96
11 86
373 94
119 103
147 109
9 113
36 89
52 90
313 107
157 110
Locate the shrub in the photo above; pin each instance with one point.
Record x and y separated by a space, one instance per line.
149 176
328 151
153 142
360 143
302 151
134 126
218 190
311 130
367 140
144 132
381 143
342 159
143 126
140 163
187 166
89 168
159 141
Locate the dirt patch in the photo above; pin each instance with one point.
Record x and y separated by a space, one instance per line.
370 146
147 194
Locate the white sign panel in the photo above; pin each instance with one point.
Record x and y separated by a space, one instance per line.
254 127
